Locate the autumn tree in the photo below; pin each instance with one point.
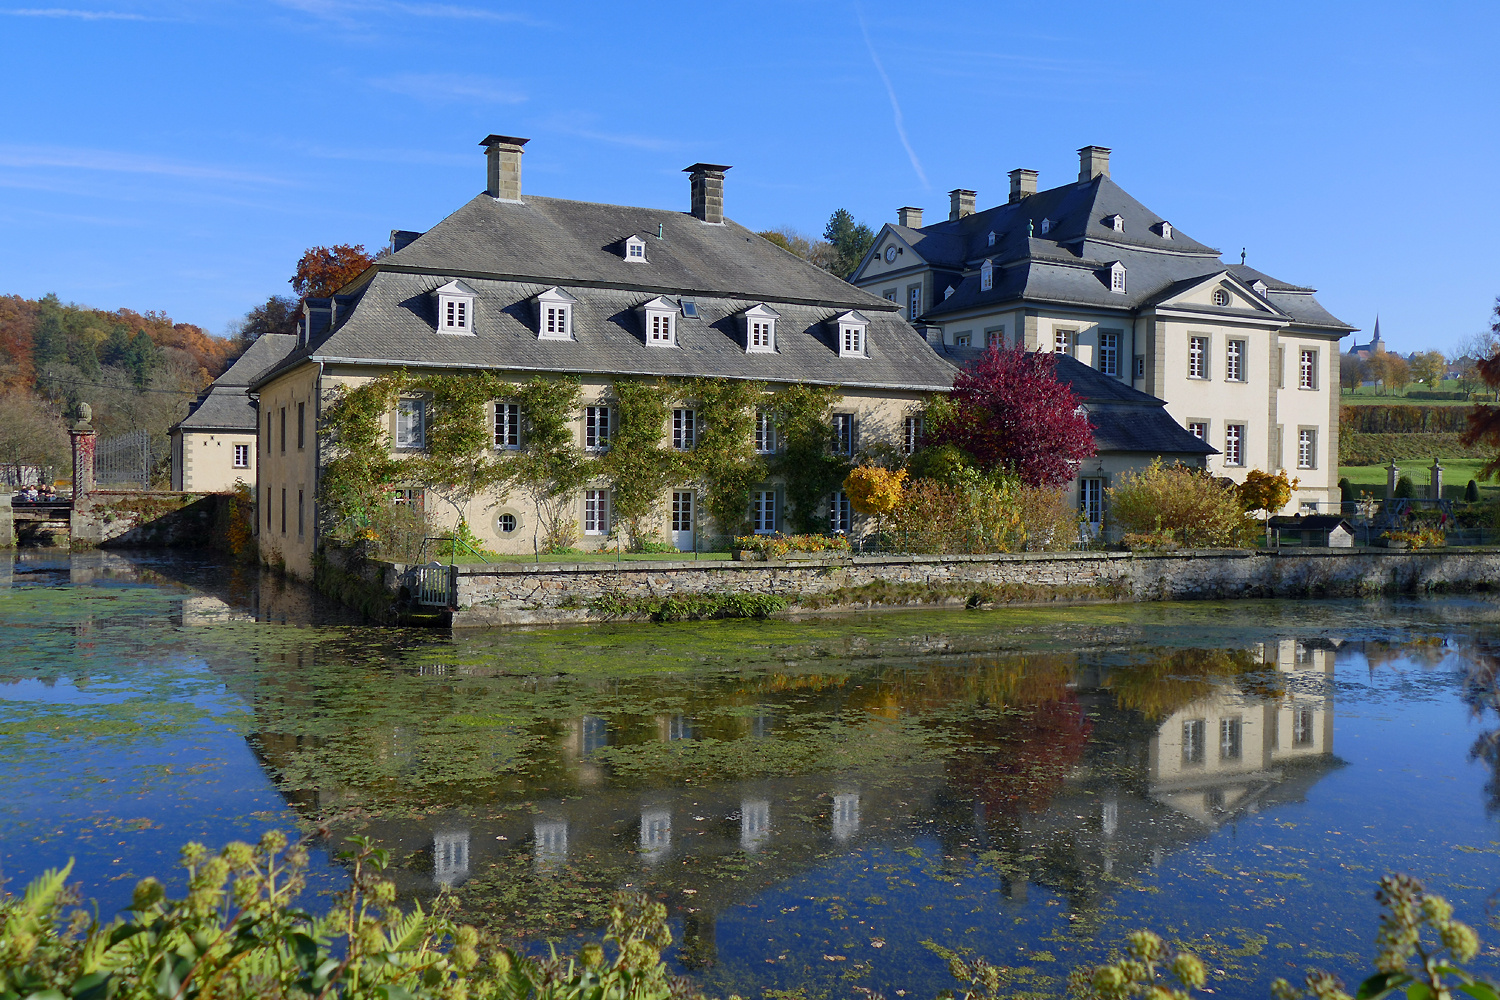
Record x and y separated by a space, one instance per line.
1484 421
1397 372
278 314
31 433
322 271
819 253
1352 371
1265 493
1009 412
1429 368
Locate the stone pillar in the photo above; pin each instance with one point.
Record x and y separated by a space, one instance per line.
83 436
1437 481
7 521
1392 477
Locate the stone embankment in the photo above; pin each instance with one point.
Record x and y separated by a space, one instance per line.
559 593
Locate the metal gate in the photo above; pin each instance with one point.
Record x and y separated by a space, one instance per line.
434 585
123 462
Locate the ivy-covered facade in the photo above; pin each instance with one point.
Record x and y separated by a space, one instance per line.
575 375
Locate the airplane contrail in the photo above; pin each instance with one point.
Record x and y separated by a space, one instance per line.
916 164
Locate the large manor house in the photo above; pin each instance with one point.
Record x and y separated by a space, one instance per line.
1173 353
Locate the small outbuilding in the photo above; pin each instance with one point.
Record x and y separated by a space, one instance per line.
1323 530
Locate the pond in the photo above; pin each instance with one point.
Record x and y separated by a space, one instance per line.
816 802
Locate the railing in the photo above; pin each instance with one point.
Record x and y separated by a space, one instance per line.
124 462
434 585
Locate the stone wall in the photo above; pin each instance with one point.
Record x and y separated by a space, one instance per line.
128 519
531 594
7 521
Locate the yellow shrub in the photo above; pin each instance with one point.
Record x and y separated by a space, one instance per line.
874 491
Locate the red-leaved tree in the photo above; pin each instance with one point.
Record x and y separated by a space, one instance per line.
1011 413
322 271
1484 421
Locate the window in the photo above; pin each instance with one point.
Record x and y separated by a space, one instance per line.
689 308
1062 341
1221 297
1117 277
682 510
1302 726
1116 222
914 302
1194 741
1231 737
1308 377
283 430
596 428
1166 230
684 429
765 434
1046 226
986 276
411 423
661 328
1197 357
635 249
456 314
991 239
410 498
507 523
964 339
268 506
1109 353
1234 360
508 425
1234 444
555 326
889 294
596 512
760 327
1281 367
843 433
763 511
283 510
555 312
760 334
840 514
911 433
1140 366
301 426
1091 502
242 456
299 514
1198 429
1307 448
455 308
659 321
851 341
994 337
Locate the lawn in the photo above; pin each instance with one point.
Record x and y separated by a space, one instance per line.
1368 395
1456 474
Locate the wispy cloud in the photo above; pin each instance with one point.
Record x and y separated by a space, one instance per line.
916 164
616 138
443 87
79 15
112 161
347 11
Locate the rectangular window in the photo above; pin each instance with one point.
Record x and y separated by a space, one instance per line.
596 428
1281 367
242 456
1063 341
1234 360
301 426
1307 449
283 510
1197 357
411 423
661 328
965 339
1198 429
911 433
684 429
1308 378
556 325
508 425
1231 733
283 430
840 514
763 511
995 337
853 341
843 433
1109 353
410 498
889 294
760 334
1234 444
268 433
269 506
299 514
1280 447
1194 741
596 512
914 302
456 314
765 434
1140 366
682 510
1091 501
1302 726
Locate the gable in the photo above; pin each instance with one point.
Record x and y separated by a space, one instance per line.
1221 291
875 263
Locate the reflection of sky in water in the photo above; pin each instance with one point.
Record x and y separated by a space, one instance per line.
1036 832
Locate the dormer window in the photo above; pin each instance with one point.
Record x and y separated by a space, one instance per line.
991 239
1115 222
1165 228
555 314
986 276
1259 287
659 319
851 333
1117 278
455 308
1046 226
760 329
635 249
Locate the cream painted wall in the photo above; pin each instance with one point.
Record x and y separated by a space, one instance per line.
206 461
287 471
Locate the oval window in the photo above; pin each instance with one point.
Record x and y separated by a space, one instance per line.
506 523
1221 297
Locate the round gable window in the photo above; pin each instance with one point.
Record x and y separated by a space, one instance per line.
507 523
1221 297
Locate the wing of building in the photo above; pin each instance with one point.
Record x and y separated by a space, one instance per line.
213 447
522 286
1243 360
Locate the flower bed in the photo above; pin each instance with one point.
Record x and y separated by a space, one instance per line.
780 546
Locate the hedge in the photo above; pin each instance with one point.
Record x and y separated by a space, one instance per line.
1403 419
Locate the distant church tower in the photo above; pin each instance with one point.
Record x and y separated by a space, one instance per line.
1375 346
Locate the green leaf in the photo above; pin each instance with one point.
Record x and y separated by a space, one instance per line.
1480 991
1419 991
393 992
1380 984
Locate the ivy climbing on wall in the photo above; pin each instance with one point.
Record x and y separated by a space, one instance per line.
723 463
806 461
638 464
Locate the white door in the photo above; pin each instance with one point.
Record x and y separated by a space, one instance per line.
682 520
1091 499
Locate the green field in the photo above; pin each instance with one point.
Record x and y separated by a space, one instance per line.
1456 475
1370 396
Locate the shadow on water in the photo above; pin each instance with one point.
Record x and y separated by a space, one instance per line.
811 800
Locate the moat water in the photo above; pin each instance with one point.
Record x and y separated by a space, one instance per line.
813 800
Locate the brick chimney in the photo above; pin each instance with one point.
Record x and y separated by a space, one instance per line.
909 217
1022 184
1092 161
707 180
960 204
503 178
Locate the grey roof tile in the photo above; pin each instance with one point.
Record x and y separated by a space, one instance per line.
225 404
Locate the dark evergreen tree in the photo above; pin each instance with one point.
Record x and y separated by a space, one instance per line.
1471 492
851 241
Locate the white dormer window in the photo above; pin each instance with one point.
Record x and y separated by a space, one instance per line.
851 333
1116 222
760 329
455 308
555 314
1259 287
948 292
986 276
659 319
991 239
1046 226
635 249
1117 278
1166 230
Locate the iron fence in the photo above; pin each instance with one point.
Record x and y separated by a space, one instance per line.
124 462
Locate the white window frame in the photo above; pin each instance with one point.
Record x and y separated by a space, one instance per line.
1222 294
1116 223
911 433
411 424
1064 341
242 456
507 426
991 238
1117 278
1234 360
986 276
455 308
1198 347
1234 445
840 513
1091 502
635 250
995 336
765 433
596 512
555 315
1045 227
1198 429
1166 230
1307 448
659 322
596 427
1307 369
850 331
845 431
1109 353
763 511
965 339
760 329
684 428
913 301
682 510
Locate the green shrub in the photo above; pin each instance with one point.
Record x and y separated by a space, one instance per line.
1471 492
687 607
1346 491
1397 418
1191 506
778 545
1404 488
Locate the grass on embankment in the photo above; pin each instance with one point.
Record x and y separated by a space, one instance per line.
587 557
1456 474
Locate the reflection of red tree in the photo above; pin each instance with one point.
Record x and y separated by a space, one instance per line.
1017 762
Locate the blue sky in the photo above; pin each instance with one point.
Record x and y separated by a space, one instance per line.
171 155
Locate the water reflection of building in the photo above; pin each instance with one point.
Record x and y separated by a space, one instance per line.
450 858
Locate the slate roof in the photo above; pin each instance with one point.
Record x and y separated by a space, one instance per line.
1124 418
225 404
509 253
